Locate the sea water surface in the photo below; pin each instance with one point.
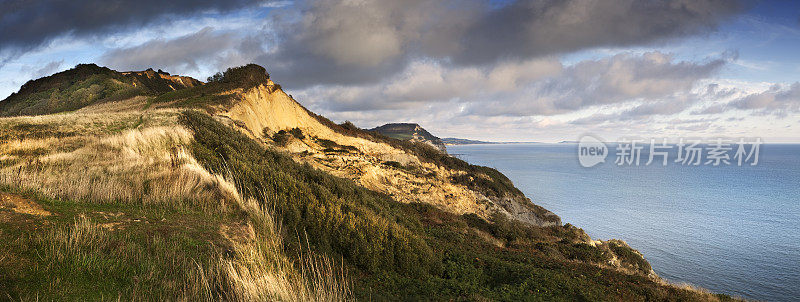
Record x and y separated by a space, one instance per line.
729 229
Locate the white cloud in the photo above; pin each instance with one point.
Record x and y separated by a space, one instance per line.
655 78
779 100
536 99
179 55
429 81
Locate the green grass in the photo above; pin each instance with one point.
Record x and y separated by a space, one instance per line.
151 254
34 131
546 266
628 255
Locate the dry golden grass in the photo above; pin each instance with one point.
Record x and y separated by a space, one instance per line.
139 166
260 271
144 159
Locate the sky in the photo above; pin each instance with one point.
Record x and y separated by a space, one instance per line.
543 71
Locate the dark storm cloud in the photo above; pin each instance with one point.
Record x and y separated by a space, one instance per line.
26 24
358 42
345 42
532 28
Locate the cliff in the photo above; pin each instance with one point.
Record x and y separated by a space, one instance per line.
405 172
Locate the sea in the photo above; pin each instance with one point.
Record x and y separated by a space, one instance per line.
726 228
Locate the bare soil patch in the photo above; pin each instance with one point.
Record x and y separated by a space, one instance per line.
21 204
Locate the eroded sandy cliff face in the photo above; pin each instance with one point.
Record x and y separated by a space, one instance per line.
265 111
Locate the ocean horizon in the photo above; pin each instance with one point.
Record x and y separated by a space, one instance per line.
729 229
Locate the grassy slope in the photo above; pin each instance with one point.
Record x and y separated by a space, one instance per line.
402 251
158 252
116 232
146 248
150 250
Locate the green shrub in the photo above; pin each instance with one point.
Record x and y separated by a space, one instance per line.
502 227
214 92
281 138
582 252
216 78
247 76
296 132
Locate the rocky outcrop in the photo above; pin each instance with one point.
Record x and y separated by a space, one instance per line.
521 208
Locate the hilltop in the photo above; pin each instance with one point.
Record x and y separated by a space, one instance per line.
410 132
232 190
88 84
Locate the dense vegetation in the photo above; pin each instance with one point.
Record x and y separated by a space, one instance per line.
245 77
414 251
69 90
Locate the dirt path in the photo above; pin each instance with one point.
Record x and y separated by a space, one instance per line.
21 204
